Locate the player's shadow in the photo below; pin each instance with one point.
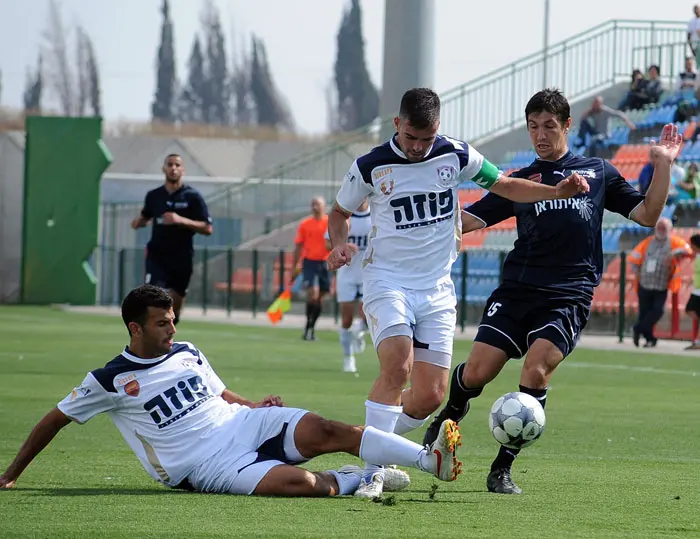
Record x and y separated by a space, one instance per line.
97 491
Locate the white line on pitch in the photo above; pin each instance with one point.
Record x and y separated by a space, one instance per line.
633 368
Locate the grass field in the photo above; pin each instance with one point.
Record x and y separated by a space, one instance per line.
619 457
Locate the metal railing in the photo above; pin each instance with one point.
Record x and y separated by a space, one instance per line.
249 280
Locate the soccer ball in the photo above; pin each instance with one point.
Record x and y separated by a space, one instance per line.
516 420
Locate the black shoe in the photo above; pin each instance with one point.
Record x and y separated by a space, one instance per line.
448 412
309 335
635 337
500 482
651 343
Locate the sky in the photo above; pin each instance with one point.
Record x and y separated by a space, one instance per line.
471 39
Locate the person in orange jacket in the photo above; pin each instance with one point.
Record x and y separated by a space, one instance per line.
656 264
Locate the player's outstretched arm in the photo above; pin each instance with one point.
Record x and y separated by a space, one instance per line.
662 154
338 230
42 434
526 191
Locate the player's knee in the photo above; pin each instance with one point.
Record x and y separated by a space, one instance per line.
477 373
396 374
536 374
429 402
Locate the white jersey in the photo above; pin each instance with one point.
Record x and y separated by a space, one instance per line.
416 222
360 228
168 409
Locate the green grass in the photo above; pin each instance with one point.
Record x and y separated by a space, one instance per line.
619 457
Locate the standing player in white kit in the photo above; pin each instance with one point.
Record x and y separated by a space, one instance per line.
349 289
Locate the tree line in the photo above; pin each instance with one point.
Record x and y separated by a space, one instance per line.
222 86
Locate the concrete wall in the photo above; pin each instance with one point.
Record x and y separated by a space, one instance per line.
11 209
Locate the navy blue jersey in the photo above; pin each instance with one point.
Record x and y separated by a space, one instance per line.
559 246
173 240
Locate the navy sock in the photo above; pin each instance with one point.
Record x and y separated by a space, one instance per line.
458 402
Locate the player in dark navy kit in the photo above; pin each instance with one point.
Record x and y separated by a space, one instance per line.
544 300
178 212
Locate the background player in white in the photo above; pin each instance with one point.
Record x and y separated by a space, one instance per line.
412 183
349 289
190 432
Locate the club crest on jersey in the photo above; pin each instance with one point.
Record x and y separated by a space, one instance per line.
387 187
132 388
446 175
537 178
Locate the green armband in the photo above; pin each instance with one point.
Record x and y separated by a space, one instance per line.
487 175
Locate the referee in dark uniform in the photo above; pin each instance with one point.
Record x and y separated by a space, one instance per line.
178 212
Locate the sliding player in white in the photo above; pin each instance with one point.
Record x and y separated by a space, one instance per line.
190 432
349 289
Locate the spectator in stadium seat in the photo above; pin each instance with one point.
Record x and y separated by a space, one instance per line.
596 123
691 182
687 78
694 34
656 264
648 90
678 174
637 78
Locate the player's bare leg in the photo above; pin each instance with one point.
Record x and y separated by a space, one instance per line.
314 436
694 344
178 302
347 339
541 361
424 396
383 406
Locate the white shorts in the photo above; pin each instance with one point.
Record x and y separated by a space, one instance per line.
431 314
263 439
348 290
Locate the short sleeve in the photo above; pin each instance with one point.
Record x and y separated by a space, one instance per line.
620 196
301 233
471 162
353 190
86 401
147 210
200 208
211 379
491 209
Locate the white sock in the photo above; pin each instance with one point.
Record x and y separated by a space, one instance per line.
347 482
359 326
406 423
346 341
382 417
389 448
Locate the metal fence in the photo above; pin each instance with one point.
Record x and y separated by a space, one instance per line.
249 280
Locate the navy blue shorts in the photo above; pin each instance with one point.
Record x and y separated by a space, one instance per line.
515 317
315 273
170 274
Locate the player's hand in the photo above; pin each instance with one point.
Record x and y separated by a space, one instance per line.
341 256
572 186
171 218
6 483
294 276
666 149
270 400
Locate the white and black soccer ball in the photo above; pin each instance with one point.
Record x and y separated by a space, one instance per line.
516 420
